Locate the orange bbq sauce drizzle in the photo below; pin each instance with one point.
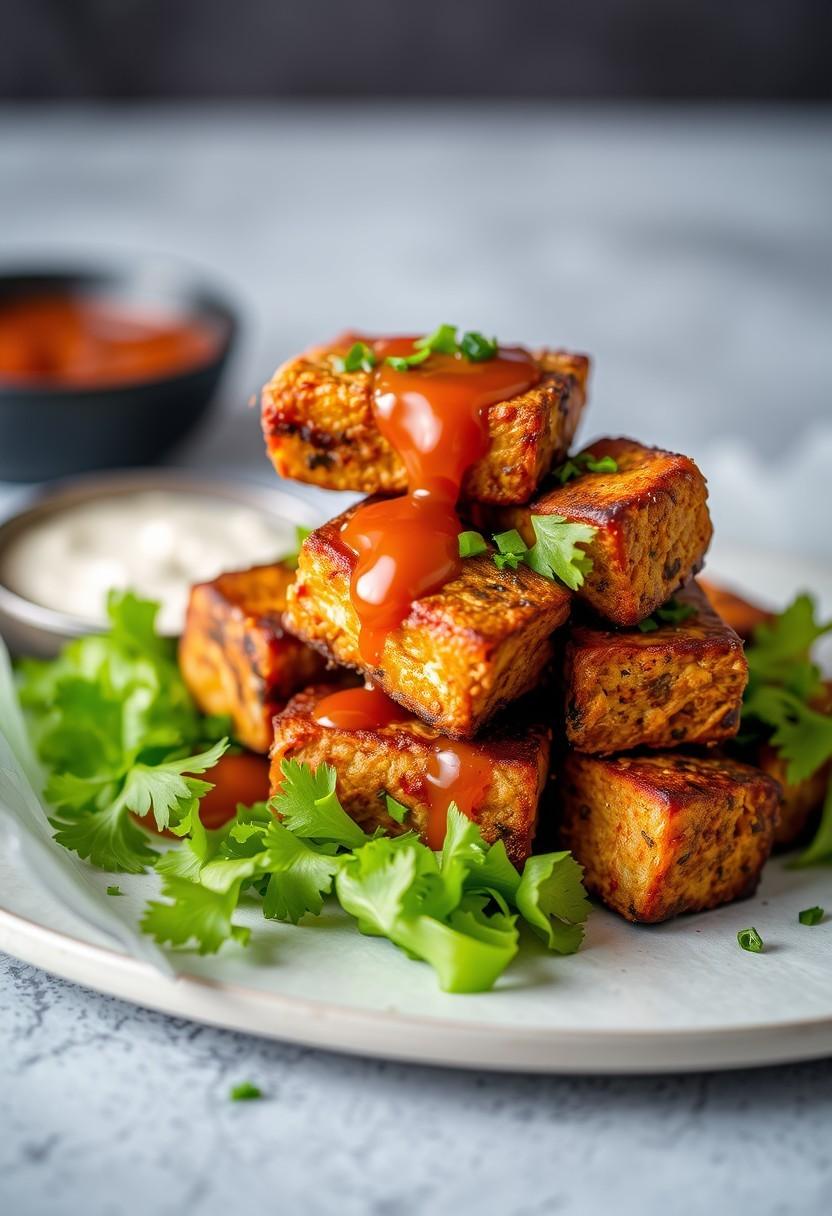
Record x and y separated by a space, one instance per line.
434 416
456 772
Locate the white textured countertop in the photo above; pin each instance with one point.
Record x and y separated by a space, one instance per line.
692 254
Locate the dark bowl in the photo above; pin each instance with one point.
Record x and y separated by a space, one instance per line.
47 431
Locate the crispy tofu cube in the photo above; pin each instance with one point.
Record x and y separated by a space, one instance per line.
236 656
741 614
460 655
652 520
394 760
319 427
800 800
663 834
681 683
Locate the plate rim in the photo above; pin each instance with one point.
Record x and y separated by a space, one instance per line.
424 1039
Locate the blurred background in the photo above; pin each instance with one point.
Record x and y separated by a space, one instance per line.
647 181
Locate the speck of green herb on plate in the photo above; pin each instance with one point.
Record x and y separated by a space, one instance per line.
811 916
245 1092
114 891
750 940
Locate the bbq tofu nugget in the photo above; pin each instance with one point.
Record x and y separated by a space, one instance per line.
319 427
236 656
680 682
652 521
459 655
659 835
394 760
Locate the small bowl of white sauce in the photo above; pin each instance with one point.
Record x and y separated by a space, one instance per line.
156 532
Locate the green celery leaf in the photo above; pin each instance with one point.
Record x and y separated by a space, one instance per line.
552 899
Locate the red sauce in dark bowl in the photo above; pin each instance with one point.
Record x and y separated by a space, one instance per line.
66 339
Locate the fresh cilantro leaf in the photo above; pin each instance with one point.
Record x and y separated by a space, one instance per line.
197 916
552 899
811 916
511 549
471 544
555 553
605 464
819 851
114 891
291 558
359 358
245 1092
165 790
300 875
396 810
584 462
309 807
403 363
453 909
750 940
477 348
108 839
802 736
674 612
442 341
778 644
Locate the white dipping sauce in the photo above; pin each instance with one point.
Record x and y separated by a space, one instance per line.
157 543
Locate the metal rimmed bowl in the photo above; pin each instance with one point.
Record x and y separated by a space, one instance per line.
48 430
29 628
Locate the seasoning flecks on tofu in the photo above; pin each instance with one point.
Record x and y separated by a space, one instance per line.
663 834
237 657
393 760
460 655
651 519
320 428
681 682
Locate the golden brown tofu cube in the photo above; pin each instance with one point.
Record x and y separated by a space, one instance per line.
394 760
681 683
235 654
800 800
741 614
320 428
459 656
659 835
653 526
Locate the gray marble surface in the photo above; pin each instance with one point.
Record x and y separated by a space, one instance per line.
692 254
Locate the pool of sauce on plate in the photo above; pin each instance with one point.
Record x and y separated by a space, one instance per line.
455 772
72 340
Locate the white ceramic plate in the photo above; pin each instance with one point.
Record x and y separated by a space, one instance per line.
634 999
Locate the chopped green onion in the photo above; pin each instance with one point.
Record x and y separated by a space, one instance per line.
810 916
750 940
471 544
245 1092
442 341
396 810
403 363
118 891
477 348
359 358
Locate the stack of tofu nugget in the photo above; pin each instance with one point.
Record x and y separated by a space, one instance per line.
598 713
